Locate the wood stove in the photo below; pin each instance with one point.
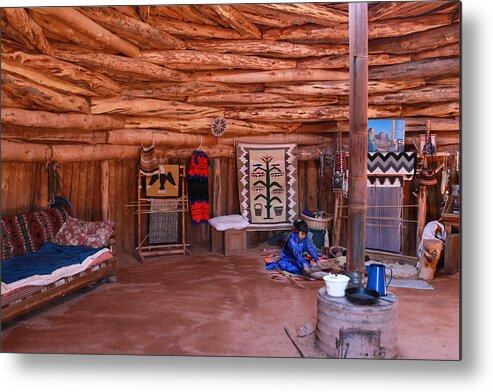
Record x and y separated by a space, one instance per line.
347 330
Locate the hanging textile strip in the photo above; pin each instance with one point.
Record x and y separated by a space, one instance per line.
198 186
384 182
391 163
148 161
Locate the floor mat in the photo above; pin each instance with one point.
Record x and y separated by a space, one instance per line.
411 284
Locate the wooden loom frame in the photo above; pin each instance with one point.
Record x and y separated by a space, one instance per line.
169 205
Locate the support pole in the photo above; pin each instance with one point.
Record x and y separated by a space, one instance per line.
358 139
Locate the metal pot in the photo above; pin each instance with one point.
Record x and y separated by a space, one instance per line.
364 296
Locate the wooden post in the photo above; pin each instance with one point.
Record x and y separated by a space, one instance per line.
105 190
421 213
358 135
336 228
217 192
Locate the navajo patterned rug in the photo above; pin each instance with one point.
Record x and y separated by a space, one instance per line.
267 181
391 163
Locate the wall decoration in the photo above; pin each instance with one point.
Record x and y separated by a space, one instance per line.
198 186
218 126
166 183
391 163
386 135
267 175
163 228
428 144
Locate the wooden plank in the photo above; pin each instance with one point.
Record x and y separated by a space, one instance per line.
311 181
88 201
82 190
452 253
41 186
216 198
302 185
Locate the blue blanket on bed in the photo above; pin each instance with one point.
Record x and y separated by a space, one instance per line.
44 261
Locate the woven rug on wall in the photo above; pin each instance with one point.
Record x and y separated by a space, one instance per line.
268 185
391 163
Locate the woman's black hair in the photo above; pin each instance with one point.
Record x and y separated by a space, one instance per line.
300 226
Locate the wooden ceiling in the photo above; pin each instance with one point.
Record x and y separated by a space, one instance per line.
267 68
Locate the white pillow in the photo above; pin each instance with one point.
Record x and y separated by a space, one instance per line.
226 222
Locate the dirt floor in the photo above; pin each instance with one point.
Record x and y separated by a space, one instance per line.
208 304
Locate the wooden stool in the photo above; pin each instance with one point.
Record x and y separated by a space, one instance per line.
229 242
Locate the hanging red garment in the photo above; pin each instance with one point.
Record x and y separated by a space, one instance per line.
198 186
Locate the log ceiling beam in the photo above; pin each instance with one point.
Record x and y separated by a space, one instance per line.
132 28
118 64
237 21
20 21
72 17
44 97
44 119
195 59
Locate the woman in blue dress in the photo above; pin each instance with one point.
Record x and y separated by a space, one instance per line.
292 259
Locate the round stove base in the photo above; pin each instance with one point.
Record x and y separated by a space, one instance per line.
348 330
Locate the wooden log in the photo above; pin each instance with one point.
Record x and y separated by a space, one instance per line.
266 17
321 127
43 119
135 12
25 152
87 26
404 26
268 48
396 10
186 29
307 114
132 28
341 88
53 136
91 81
311 181
312 13
300 139
445 109
281 75
217 205
327 62
384 111
43 79
425 94
194 59
358 136
416 69
151 107
211 15
14 38
10 100
310 34
436 124
237 21
194 14
441 51
417 42
56 30
44 97
28 28
256 100
203 126
388 59
447 80
183 89
118 64
136 137
105 189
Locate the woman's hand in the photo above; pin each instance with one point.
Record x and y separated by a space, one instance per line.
306 269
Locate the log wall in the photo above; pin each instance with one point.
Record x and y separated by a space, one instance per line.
85 84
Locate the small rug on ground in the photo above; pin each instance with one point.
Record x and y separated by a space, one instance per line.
411 284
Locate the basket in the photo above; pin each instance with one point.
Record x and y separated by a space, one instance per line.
317 223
